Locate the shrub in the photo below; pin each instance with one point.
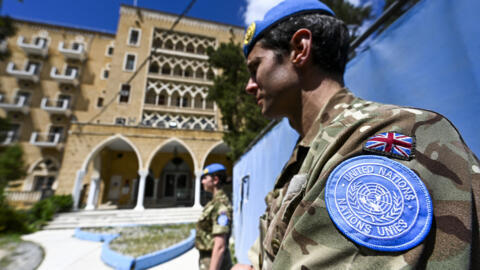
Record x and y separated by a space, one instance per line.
12 220
43 210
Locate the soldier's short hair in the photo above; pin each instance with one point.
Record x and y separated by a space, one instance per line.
222 176
330 39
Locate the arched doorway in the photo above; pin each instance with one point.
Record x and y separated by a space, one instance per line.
112 178
172 174
218 154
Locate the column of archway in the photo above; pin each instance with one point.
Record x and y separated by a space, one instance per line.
141 189
94 184
198 182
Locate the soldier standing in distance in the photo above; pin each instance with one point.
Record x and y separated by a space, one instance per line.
214 225
368 185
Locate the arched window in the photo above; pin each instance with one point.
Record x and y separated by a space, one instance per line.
189 72
199 74
166 70
200 49
162 99
210 74
177 71
176 99
190 48
154 68
169 45
179 46
186 101
150 97
157 43
198 101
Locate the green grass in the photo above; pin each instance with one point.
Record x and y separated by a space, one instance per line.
141 240
7 239
8 243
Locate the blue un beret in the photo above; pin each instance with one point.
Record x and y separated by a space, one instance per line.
213 168
278 14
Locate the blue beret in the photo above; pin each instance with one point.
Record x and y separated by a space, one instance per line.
213 168
279 13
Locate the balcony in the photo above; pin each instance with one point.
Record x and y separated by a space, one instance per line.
45 139
58 106
76 52
30 73
19 104
37 47
69 77
7 137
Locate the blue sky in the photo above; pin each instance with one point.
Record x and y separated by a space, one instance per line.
103 14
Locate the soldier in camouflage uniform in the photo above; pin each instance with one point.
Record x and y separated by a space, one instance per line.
368 185
214 225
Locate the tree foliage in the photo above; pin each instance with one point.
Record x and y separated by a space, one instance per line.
353 16
7 29
240 114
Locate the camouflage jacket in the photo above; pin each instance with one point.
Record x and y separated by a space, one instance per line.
296 231
216 219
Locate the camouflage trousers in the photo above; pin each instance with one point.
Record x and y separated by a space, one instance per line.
205 256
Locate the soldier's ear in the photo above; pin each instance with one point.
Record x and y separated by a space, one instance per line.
215 179
301 44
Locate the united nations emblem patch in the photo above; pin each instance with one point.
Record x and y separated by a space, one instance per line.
249 34
222 219
379 203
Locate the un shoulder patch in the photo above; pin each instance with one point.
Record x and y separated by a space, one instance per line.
222 219
379 203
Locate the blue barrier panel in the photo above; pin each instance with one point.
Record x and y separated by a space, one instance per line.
429 58
253 177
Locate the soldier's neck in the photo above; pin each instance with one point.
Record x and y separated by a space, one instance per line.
312 102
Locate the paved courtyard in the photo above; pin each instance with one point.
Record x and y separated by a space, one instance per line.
63 251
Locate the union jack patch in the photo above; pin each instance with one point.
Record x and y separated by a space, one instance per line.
391 144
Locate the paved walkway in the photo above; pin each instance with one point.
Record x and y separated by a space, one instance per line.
63 251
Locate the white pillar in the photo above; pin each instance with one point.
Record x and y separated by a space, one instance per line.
198 182
77 187
141 190
94 184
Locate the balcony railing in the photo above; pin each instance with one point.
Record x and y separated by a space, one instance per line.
18 104
65 78
45 139
70 53
30 74
24 196
39 48
7 137
58 106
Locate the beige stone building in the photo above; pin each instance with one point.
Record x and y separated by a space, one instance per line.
96 124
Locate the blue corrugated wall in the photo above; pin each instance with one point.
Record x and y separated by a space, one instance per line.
429 58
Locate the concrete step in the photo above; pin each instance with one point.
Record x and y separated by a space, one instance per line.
103 218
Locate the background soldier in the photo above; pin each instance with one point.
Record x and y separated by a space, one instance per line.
214 225
368 186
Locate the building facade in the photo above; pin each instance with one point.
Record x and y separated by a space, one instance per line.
101 120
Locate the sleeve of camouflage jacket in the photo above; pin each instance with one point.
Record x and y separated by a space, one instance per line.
216 227
446 166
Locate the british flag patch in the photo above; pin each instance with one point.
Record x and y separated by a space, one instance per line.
391 144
